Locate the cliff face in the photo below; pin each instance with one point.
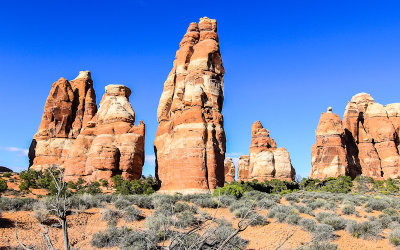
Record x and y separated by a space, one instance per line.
190 140
87 142
265 161
229 170
370 140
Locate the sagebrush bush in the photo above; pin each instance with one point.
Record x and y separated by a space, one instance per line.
257 220
185 219
323 232
110 214
390 211
3 185
206 203
348 209
377 204
111 237
122 203
365 230
41 211
292 197
394 236
16 204
307 224
266 203
293 219
132 214
320 245
304 209
338 223
138 240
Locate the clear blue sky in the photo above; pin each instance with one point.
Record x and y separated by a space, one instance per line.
285 62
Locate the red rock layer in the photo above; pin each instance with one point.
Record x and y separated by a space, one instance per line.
370 138
229 170
87 142
328 157
69 106
265 160
190 140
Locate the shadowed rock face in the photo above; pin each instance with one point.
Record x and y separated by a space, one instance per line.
190 140
265 161
370 140
229 170
87 142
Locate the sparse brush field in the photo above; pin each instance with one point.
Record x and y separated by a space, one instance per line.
239 216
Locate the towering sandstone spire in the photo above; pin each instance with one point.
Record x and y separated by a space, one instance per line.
370 140
190 140
69 107
229 170
265 160
87 142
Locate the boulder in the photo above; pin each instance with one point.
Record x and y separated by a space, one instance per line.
190 139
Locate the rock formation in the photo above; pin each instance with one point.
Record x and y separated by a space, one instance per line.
265 160
328 157
370 140
229 170
69 106
190 140
243 168
87 142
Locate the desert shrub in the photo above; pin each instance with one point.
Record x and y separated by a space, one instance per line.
304 209
280 212
222 232
3 185
293 219
138 240
322 215
122 203
266 203
338 223
86 201
91 188
292 197
142 186
330 205
320 245
377 204
390 211
235 189
16 204
348 209
394 236
362 183
109 214
341 184
309 184
111 237
7 174
132 214
103 182
307 224
226 201
159 225
256 219
142 201
41 211
365 230
206 203
323 232
185 219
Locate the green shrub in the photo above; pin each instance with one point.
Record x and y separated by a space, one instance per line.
103 182
377 204
348 209
341 184
7 174
394 236
142 186
3 185
309 184
234 189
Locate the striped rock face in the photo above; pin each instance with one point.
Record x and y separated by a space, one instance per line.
87 142
265 161
328 155
229 170
111 144
366 144
190 140
69 107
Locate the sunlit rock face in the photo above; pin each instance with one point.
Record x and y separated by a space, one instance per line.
229 170
370 139
69 107
265 161
190 140
86 142
328 156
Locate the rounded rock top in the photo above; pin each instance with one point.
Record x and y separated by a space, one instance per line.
118 90
84 74
329 110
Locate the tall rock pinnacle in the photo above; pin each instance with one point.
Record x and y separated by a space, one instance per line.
190 140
